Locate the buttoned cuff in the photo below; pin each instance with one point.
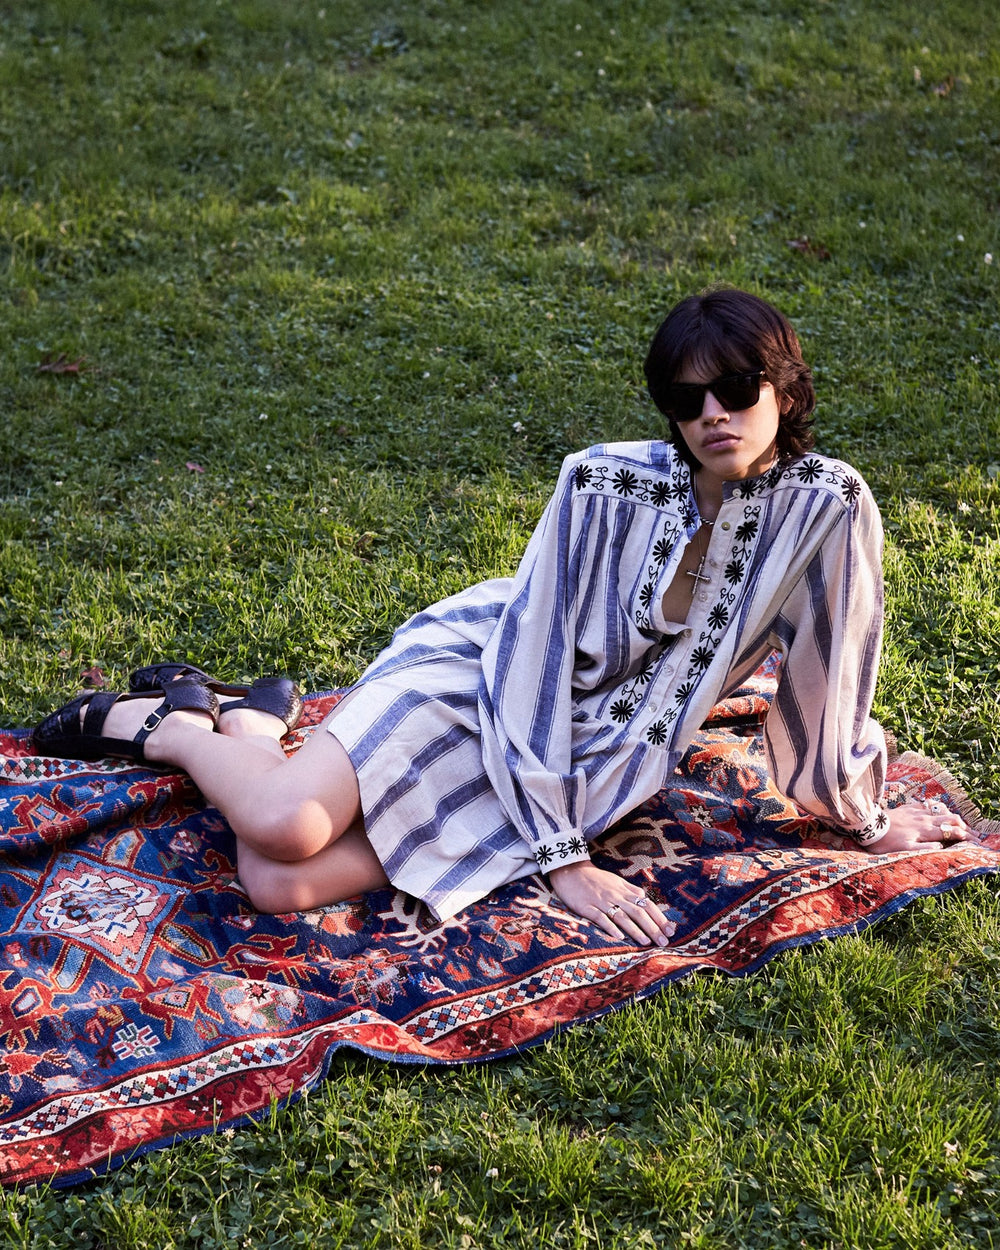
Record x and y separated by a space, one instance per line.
554 852
874 831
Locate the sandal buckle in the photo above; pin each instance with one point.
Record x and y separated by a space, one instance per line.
152 720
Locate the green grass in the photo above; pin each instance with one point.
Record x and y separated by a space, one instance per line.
374 269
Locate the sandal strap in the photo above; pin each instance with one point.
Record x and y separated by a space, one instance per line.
98 707
188 696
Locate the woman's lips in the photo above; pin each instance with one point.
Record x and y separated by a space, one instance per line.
720 440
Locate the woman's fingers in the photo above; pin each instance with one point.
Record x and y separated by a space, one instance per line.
638 918
945 826
620 909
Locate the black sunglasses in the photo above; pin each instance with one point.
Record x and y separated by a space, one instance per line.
684 401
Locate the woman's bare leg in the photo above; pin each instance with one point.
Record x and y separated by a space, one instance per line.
284 808
346 867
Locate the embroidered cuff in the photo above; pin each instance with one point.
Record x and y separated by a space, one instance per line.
874 831
554 852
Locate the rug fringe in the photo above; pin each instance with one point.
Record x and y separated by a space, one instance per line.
967 809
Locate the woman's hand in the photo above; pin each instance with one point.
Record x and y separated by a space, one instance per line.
608 900
921 823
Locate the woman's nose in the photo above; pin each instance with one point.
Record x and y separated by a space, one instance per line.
711 408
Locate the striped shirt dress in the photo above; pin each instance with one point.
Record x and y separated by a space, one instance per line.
507 726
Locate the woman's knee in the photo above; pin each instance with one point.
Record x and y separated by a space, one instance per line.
288 829
273 888
300 808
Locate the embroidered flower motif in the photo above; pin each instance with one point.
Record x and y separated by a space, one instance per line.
662 550
851 489
718 616
657 733
701 657
809 470
582 475
543 856
646 672
688 514
682 692
734 571
872 830
622 710
646 595
747 530
576 846
625 482
660 493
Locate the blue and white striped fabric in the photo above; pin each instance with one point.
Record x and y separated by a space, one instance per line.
508 725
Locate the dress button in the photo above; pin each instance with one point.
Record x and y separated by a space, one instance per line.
668 670
652 706
703 598
725 525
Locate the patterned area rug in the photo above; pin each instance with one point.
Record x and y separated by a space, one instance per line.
142 1000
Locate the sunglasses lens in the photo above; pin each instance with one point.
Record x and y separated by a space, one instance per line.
685 402
740 391
735 392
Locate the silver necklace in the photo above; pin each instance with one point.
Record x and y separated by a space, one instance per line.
699 575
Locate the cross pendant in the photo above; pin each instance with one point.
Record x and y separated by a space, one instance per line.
698 574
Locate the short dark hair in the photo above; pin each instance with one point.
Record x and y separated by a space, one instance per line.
726 330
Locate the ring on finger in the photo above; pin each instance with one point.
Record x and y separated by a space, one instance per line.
641 901
615 907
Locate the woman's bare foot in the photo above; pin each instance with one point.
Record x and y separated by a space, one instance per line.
126 717
249 722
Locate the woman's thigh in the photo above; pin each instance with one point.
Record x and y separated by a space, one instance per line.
321 772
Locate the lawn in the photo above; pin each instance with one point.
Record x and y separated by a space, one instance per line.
303 305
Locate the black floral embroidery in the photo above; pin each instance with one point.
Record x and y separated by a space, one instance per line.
809 470
662 550
851 489
747 530
576 846
718 616
622 710
688 514
702 657
735 570
657 733
660 493
683 691
582 475
543 856
873 830
646 672
625 482
646 594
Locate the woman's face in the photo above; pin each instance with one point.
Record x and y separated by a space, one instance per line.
731 446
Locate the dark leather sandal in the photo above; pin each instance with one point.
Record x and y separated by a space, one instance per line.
158 676
278 695
62 733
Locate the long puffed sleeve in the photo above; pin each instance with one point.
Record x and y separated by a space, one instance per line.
525 697
825 751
